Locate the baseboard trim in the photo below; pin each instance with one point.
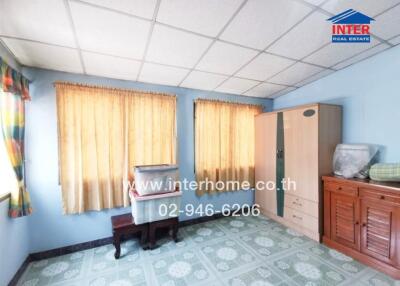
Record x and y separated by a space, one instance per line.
20 271
70 249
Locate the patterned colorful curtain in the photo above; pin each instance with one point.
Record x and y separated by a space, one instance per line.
13 91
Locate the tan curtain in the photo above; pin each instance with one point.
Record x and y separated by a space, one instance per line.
151 129
98 128
224 139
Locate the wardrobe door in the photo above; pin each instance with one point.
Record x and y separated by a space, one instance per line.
265 160
301 151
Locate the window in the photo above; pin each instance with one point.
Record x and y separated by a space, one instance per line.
224 138
103 133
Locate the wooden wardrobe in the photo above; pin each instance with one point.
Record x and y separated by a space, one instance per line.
295 145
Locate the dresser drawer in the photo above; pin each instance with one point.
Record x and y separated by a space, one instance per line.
301 219
300 204
379 195
341 188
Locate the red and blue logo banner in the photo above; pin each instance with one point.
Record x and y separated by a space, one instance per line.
351 26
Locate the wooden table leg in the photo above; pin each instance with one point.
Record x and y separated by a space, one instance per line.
175 231
117 244
143 238
152 236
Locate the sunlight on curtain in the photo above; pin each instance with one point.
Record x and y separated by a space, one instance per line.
12 125
224 139
102 133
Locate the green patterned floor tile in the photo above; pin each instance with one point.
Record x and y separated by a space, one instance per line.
261 275
166 245
239 224
227 255
228 251
53 270
184 268
265 243
200 233
380 279
304 269
132 276
341 261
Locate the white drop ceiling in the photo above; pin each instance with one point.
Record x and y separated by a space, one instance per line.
258 48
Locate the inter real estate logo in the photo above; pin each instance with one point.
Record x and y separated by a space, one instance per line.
351 27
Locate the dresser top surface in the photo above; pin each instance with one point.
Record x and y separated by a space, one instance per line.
390 186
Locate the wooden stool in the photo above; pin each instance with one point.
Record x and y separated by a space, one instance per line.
171 223
124 225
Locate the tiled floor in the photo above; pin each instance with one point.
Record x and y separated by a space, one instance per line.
229 251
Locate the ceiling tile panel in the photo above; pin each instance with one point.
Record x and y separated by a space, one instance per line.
264 66
261 22
141 8
207 17
315 77
174 47
225 58
306 37
162 74
395 40
111 67
295 73
282 92
265 90
45 21
387 25
108 32
315 2
337 52
45 56
203 80
236 85
368 7
362 56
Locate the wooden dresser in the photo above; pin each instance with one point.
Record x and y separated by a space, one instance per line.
362 220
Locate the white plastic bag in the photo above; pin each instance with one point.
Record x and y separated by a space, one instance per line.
354 160
155 179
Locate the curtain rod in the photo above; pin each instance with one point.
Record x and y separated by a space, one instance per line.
110 88
227 102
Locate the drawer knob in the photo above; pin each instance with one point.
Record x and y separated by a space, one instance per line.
382 197
357 223
340 188
364 224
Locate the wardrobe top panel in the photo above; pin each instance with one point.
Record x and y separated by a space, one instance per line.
312 105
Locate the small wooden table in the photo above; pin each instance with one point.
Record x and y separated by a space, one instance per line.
171 223
124 225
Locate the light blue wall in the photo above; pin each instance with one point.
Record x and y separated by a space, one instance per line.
370 94
48 227
14 243
14 238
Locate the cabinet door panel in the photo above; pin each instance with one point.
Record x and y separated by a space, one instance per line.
301 152
378 234
345 228
265 160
